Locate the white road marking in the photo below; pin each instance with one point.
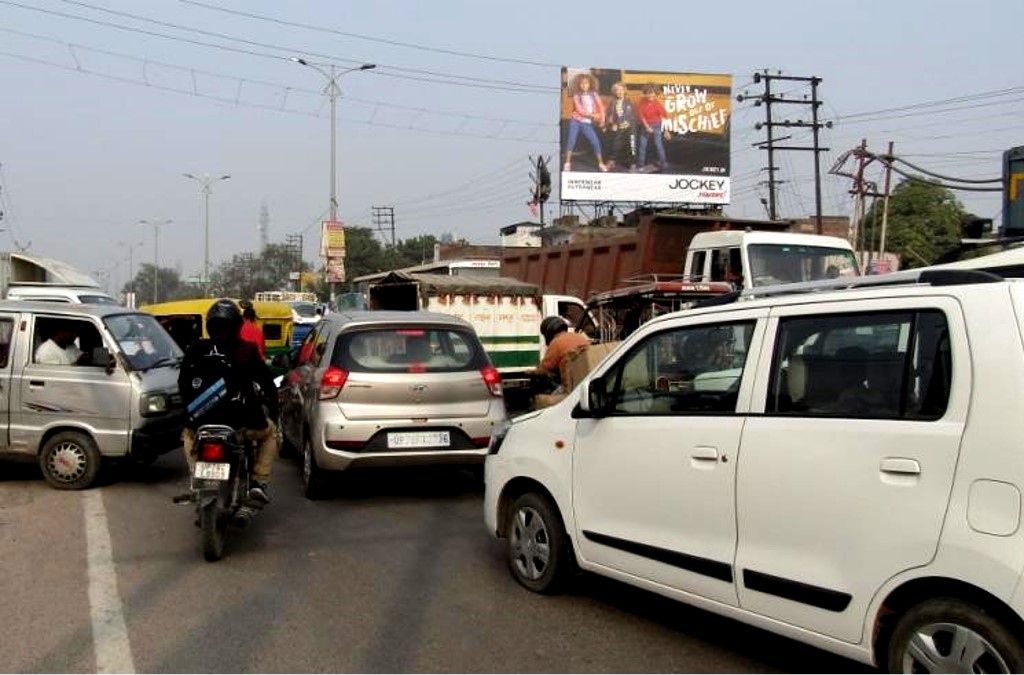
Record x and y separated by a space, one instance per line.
109 633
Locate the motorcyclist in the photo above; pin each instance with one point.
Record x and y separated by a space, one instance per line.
251 404
559 343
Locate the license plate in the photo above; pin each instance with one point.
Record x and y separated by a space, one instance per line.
212 470
419 439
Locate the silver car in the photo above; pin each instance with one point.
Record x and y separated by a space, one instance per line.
389 389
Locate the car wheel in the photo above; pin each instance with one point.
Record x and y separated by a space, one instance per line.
314 481
70 461
539 554
946 635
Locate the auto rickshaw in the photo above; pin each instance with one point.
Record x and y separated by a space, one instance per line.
185 320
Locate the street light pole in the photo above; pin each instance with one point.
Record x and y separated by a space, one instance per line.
332 91
131 278
206 182
156 253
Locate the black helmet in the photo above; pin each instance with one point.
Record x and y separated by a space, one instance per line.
223 315
552 326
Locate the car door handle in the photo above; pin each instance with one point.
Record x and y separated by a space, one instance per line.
900 466
36 383
705 453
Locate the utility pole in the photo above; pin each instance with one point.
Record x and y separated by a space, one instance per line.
770 123
885 201
293 243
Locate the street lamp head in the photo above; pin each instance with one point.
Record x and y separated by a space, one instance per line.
368 66
225 177
299 60
188 175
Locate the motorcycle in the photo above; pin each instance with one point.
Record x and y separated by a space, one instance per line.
220 486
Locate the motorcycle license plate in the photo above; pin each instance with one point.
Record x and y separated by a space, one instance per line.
212 470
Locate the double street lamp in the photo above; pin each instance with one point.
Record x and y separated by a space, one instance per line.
332 91
155 224
131 278
206 182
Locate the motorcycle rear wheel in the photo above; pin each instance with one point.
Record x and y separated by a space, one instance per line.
214 527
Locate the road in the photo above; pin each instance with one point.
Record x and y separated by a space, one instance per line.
395 574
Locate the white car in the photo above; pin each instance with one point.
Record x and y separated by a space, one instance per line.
841 467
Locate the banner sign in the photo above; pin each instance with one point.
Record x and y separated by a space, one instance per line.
332 239
645 136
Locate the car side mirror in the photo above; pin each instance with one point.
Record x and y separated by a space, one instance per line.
100 356
593 401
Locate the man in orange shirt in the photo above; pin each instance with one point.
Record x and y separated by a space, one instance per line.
251 331
560 342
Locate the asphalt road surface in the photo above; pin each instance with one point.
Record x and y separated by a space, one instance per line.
395 573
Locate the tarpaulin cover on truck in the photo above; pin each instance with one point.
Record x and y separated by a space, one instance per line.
461 285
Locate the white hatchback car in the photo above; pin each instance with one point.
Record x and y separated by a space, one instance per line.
842 467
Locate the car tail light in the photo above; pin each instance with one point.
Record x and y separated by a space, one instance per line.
481 441
332 382
211 452
492 378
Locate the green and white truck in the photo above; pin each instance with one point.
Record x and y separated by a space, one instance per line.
505 313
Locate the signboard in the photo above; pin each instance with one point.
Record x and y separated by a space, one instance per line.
332 239
335 270
645 136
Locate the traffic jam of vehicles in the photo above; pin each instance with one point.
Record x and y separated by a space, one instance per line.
648 451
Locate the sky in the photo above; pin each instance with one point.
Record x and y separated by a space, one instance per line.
107 103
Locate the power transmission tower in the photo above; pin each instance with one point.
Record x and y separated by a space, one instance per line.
384 222
768 98
293 244
264 226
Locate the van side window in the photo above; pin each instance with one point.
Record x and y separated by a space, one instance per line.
63 341
886 365
697 265
692 370
6 336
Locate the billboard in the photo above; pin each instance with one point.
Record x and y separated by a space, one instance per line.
644 136
332 247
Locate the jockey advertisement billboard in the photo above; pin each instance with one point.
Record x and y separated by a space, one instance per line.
643 136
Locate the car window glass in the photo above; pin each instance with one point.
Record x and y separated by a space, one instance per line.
86 336
887 365
6 333
412 350
693 370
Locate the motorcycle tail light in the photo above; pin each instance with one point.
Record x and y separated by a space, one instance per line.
332 382
492 378
211 452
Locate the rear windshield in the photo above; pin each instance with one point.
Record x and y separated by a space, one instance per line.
409 350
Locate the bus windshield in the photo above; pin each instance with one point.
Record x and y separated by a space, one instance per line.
785 263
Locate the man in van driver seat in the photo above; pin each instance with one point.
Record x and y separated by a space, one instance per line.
60 349
251 407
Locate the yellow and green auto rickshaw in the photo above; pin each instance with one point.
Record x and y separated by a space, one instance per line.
185 320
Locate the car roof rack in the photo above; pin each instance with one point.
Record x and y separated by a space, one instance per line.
925 277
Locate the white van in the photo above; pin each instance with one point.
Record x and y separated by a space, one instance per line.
842 467
119 399
70 294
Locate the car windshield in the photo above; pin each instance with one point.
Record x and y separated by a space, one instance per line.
784 263
97 300
409 350
143 341
307 310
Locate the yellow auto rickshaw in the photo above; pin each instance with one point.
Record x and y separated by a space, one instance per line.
185 320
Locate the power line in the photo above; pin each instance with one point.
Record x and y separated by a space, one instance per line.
436 78
359 36
957 99
527 138
146 61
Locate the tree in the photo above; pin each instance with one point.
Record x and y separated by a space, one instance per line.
363 254
169 285
923 225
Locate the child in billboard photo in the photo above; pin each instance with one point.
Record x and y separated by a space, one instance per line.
587 113
620 123
652 114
